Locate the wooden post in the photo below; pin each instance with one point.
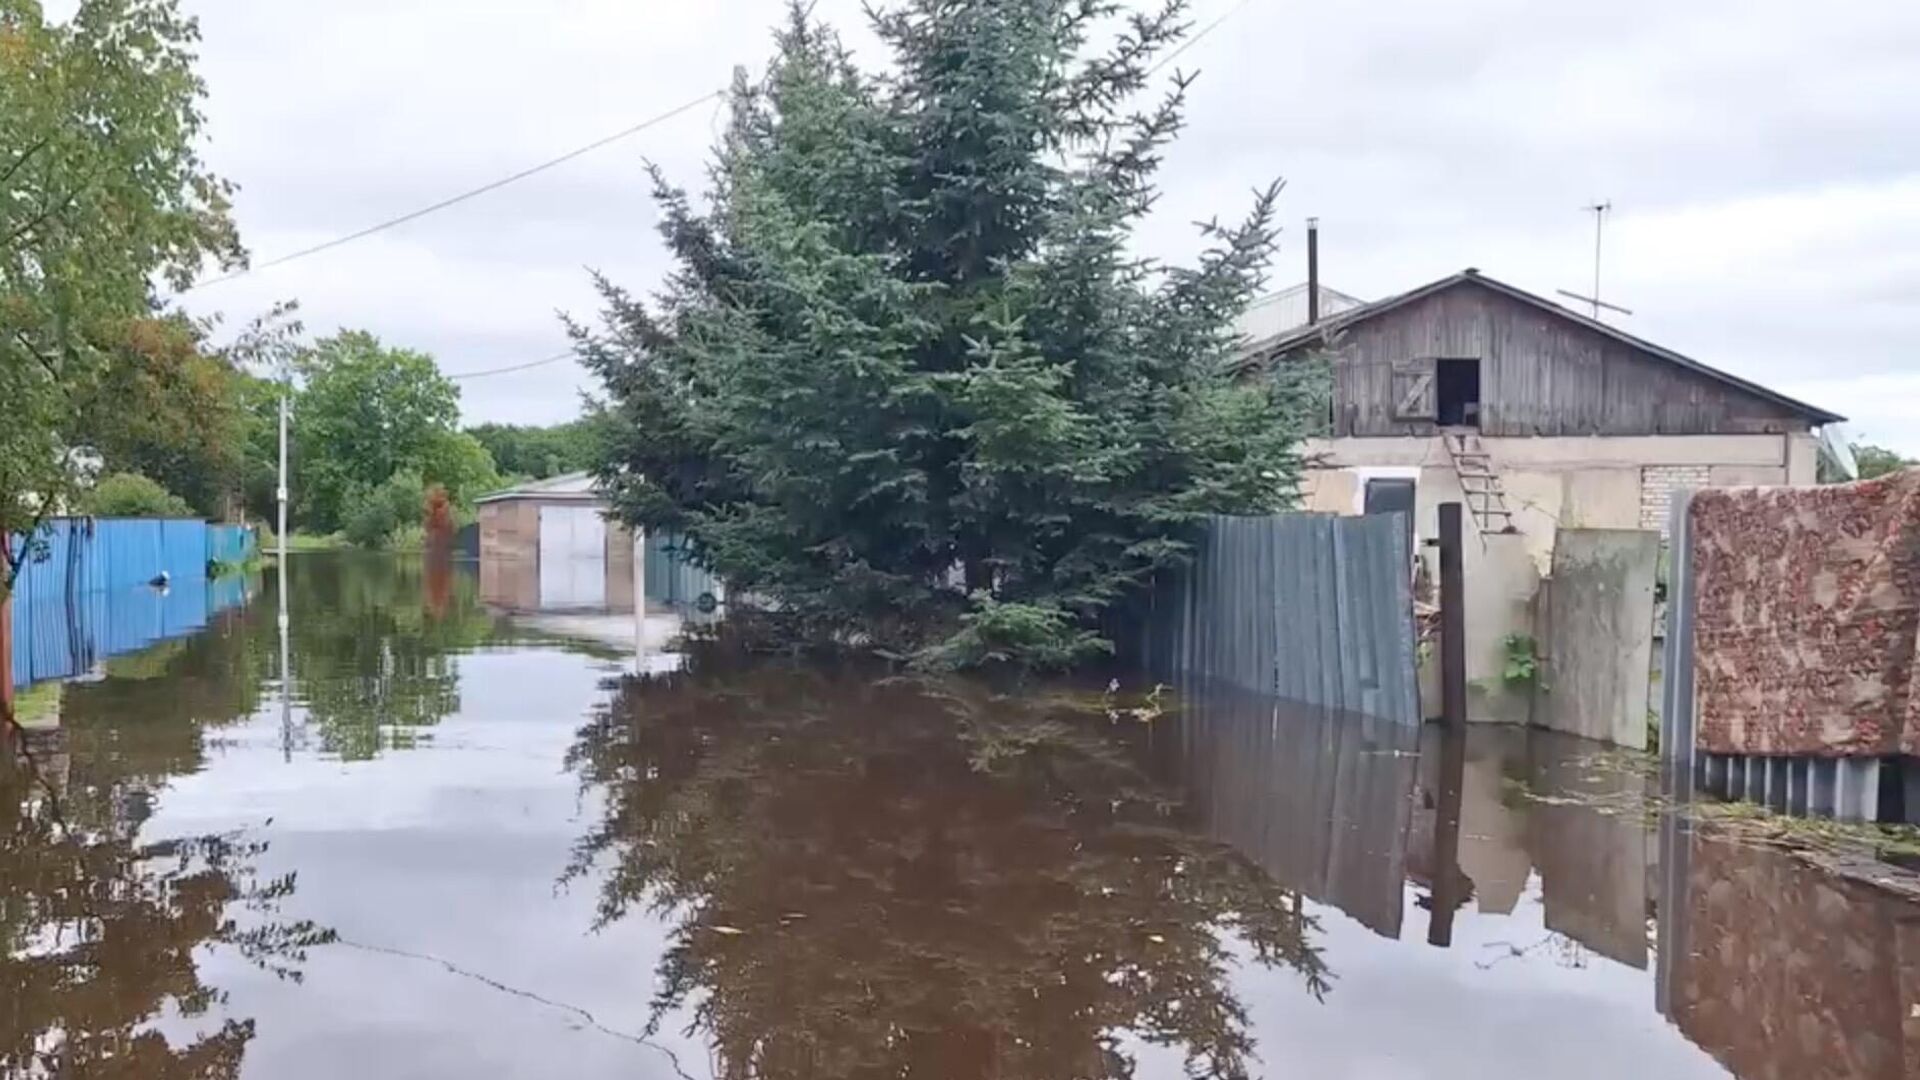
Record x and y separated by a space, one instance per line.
1447 892
6 656
1453 620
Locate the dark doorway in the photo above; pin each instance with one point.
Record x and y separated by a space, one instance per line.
1457 389
1392 496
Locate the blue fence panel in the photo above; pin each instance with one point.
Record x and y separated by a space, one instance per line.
232 544
84 593
185 547
230 591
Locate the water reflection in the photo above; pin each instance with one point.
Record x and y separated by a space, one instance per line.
103 930
1784 970
867 880
375 640
1316 797
816 872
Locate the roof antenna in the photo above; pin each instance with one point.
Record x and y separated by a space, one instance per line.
1599 210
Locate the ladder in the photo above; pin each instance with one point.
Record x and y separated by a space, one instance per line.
1486 497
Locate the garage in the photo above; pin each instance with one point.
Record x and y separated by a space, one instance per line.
547 545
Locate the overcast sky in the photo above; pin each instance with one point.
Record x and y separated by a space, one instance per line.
1763 157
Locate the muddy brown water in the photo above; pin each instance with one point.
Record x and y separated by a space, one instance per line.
459 847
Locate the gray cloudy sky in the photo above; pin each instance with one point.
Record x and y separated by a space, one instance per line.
1763 157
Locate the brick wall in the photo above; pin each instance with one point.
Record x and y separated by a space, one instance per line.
1807 617
1657 485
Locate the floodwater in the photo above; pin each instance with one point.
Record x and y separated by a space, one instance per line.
462 847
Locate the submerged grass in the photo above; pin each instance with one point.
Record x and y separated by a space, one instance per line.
1892 851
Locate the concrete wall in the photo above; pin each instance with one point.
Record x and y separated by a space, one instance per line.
1597 635
1583 482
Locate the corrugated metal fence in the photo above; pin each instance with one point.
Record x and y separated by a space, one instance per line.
84 593
671 578
231 544
1309 607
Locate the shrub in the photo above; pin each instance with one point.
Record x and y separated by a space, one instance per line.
132 495
375 515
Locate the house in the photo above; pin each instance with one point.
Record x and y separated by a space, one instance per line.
1535 417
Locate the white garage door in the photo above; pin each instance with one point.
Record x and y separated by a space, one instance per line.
573 557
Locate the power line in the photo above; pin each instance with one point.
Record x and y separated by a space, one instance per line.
463 196
515 367
1196 39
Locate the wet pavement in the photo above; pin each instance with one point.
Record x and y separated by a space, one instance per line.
463 846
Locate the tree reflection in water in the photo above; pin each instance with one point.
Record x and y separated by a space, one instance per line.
100 929
880 879
376 643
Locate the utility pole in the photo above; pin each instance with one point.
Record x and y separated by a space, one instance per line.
280 492
280 570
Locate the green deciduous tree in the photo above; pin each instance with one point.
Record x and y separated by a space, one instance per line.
366 412
101 189
167 407
908 371
1878 460
538 452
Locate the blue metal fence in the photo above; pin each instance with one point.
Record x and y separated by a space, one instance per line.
85 592
231 544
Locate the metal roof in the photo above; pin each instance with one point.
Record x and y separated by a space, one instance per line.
578 486
1287 310
1263 349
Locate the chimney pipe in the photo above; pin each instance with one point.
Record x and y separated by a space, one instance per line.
1313 271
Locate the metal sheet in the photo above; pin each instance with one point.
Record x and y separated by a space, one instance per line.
573 558
83 595
1308 607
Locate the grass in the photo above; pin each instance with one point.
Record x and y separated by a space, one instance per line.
219 568
38 705
1836 845
300 541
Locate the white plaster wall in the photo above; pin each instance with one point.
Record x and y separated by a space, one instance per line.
1580 482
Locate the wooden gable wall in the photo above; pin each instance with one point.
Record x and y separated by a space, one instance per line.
1539 375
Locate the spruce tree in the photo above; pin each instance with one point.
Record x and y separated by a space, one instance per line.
907 385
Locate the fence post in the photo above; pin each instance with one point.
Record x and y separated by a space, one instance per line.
1453 713
1677 752
1453 620
6 655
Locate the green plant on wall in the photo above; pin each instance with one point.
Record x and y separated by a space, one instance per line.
1520 667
